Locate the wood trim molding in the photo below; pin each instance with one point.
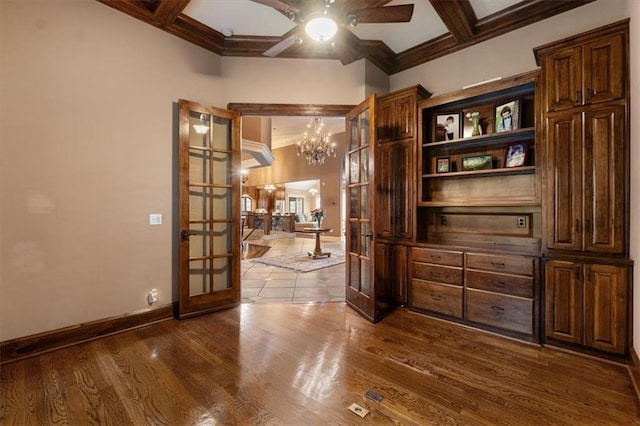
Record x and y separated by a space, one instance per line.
634 372
291 109
37 344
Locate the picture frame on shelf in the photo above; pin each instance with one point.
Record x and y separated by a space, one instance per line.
448 126
443 164
516 155
507 116
477 162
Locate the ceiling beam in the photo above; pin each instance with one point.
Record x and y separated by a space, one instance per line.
458 16
168 10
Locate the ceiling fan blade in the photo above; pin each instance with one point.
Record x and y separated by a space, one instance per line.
283 45
377 15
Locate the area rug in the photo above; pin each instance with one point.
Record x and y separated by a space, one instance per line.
302 262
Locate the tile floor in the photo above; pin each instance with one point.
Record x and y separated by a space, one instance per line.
271 284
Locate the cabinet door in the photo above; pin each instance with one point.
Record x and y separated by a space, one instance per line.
399 266
563 301
604 183
384 196
403 172
605 313
395 189
564 181
604 70
563 79
386 120
405 111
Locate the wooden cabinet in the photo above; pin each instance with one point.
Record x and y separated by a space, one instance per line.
437 281
586 141
395 162
480 289
587 304
585 204
396 114
500 291
392 272
584 74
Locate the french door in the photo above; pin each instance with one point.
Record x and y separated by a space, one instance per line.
360 276
209 208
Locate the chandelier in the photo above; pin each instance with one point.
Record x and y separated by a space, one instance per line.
316 144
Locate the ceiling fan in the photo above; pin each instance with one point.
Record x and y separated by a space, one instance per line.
322 19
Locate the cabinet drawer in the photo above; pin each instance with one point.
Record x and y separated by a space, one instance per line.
500 283
521 265
441 298
506 312
438 257
441 274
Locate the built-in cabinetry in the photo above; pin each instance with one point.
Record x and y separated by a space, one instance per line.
478 221
586 142
395 186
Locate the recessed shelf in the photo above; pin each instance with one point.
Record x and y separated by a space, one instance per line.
503 171
478 203
483 140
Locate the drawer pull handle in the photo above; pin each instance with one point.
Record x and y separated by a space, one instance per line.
498 264
435 275
495 308
436 258
436 296
498 284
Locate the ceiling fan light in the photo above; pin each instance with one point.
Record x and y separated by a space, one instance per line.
321 28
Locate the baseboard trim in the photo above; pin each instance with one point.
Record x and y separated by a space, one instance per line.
634 372
37 344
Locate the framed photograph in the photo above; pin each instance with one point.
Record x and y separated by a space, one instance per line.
478 162
448 126
507 116
516 154
443 165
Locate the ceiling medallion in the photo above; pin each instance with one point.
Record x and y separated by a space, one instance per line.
316 144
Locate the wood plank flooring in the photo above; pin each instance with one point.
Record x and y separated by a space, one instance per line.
304 364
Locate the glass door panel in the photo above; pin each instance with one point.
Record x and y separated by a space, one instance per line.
360 287
209 212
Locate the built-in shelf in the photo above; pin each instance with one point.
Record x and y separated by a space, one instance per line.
470 173
478 203
483 140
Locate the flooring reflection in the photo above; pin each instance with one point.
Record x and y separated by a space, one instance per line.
271 284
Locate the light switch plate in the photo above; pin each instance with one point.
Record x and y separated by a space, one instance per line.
155 219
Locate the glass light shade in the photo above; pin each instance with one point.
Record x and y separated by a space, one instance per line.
321 28
201 129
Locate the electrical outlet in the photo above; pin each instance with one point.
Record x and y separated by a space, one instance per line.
155 219
152 297
443 220
522 222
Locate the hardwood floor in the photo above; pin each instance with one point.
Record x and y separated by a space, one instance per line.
305 364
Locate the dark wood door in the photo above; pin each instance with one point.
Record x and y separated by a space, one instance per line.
605 313
604 65
360 242
209 208
604 180
563 79
564 181
394 193
563 301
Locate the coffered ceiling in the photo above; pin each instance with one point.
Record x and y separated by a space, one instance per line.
250 28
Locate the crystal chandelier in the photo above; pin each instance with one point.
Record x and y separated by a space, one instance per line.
316 144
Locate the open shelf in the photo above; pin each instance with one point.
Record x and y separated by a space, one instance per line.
502 171
483 140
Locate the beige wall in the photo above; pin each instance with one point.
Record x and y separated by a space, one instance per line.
86 142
